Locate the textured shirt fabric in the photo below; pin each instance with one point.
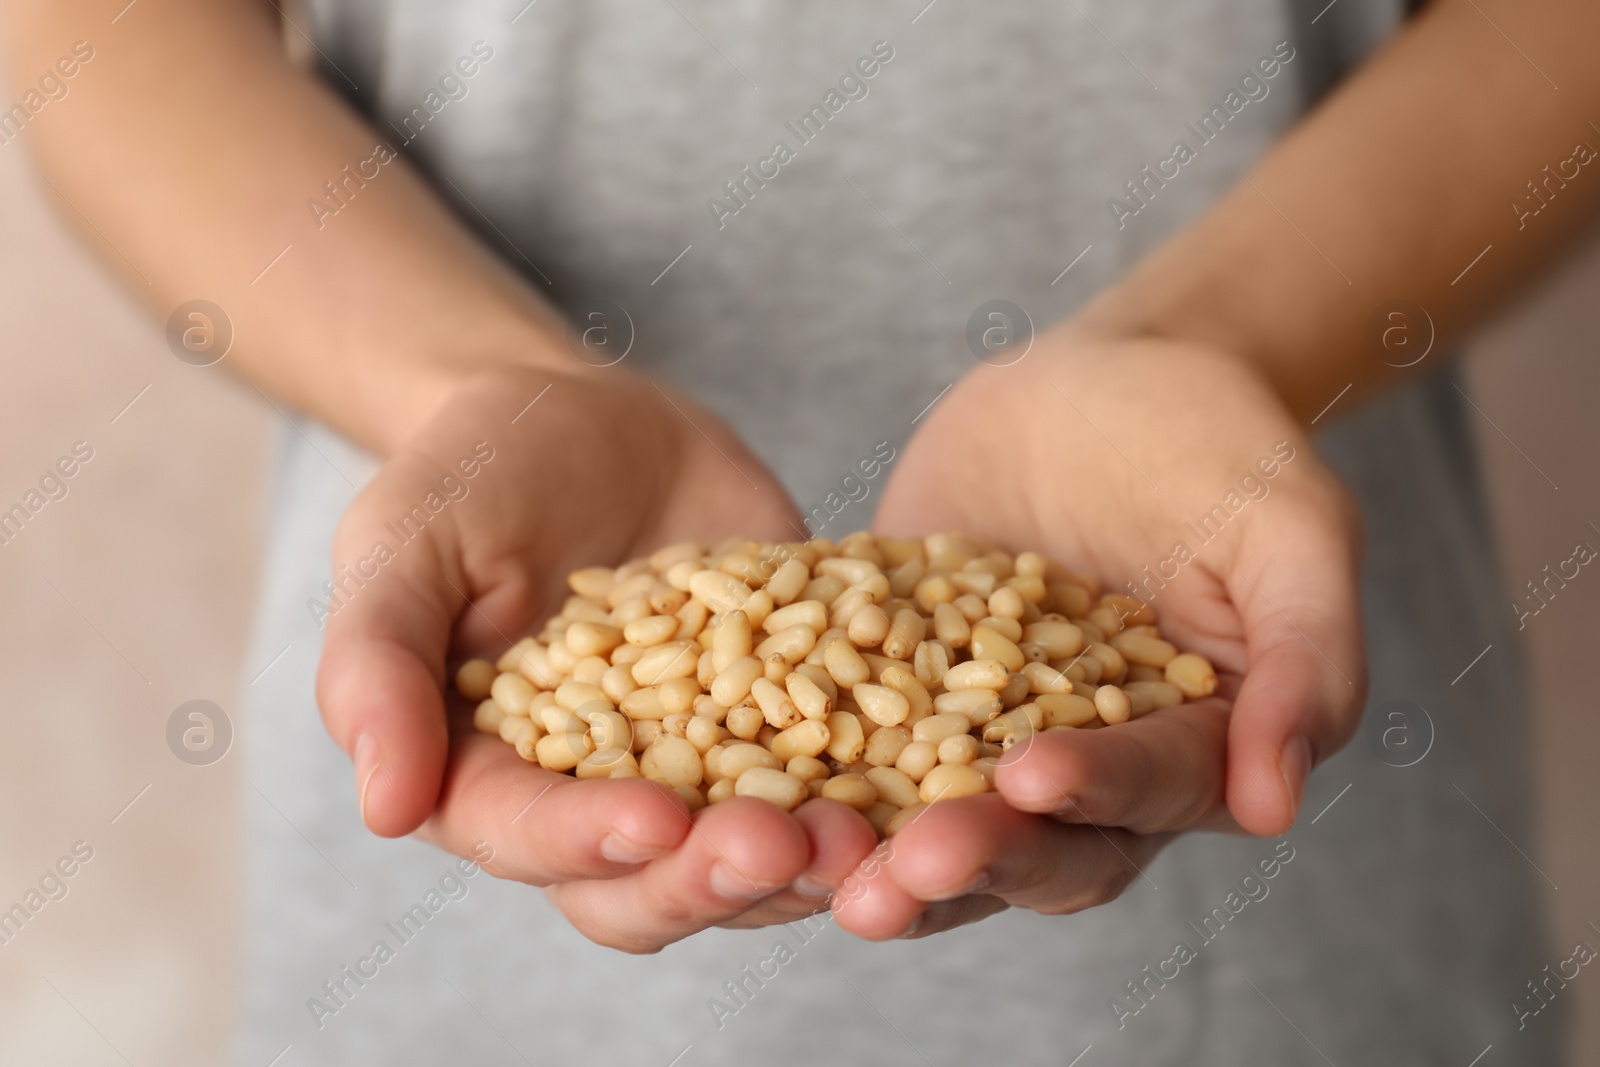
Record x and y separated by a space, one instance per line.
1398 926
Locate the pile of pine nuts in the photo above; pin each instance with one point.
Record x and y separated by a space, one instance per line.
883 673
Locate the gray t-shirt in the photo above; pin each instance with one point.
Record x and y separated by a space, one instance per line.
818 301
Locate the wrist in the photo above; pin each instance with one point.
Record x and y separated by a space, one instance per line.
395 394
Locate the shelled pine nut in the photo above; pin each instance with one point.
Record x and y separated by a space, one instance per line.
882 673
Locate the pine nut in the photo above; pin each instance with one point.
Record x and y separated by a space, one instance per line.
787 581
948 781
1192 674
950 626
592 638
932 660
868 627
976 582
987 643
844 664
512 692
1144 650
908 631
894 786
1007 603
677 696
808 696
1153 696
917 759
673 760
963 748
758 607
1042 678
977 674
935 728
610 730
775 704
650 630
1113 705
574 695
903 681
733 684
978 705
739 757
676 659
561 752
973 608
881 704
719 592
514 726
846 740
812 614
852 790
1065 709
703 733
559 720
719 791
808 769
1060 640
1113 668
808 737
475 678
645 732
885 745
773 786
487 716
745 721
793 643
643 704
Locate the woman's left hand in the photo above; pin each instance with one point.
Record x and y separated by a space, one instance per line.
1176 467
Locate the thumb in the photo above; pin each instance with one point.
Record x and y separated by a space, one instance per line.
1294 581
383 659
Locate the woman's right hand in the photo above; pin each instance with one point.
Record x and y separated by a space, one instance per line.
568 470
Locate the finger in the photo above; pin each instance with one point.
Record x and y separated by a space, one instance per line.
1164 771
380 677
871 904
546 827
840 839
981 845
950 914
738 852
1296 587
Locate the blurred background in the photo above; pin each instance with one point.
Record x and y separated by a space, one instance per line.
133 594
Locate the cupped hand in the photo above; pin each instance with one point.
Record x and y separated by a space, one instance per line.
1175 467
461 544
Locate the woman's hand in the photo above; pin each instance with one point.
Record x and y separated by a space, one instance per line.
1175 467
462 543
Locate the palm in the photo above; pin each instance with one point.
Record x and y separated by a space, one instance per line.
581 470
1108 457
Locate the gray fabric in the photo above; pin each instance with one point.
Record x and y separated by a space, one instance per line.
1404 924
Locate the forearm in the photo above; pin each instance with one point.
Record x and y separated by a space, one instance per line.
192 147
1395 184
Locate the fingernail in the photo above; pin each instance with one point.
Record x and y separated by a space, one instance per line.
1067 810
619 848
979 884
365 757
726 881
1296 766
911 931
809 886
